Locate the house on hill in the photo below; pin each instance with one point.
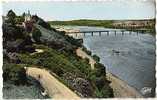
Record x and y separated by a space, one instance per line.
28 22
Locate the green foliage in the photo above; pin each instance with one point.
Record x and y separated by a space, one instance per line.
11 17
36 34
87 51
96 58
57 61
19 19
14 73
44 24
105 92
84 22
11 14
100 69
63 62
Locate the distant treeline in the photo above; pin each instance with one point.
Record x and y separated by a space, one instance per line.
108 23
84 22
101 23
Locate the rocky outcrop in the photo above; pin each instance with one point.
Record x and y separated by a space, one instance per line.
54 39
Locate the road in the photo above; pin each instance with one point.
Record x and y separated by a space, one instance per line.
53 87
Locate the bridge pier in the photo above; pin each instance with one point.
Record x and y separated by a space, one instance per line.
107 33
130 32
84 34
99 33
115 32
142 31
137 32
76 34
92 33
122 32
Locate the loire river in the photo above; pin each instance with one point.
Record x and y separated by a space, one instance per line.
135 64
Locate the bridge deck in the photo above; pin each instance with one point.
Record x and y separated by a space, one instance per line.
100 31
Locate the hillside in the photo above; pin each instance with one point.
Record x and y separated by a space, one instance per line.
59 57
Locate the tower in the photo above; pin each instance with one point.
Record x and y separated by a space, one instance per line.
27 16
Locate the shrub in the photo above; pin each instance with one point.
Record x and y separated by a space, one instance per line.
100 69
14 73
96 58
11 17
87 51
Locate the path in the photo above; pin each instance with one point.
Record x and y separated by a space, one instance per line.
83 54
37 51
53 87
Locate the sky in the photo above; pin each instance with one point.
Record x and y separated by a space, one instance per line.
102 10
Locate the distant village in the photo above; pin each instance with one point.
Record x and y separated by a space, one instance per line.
134 23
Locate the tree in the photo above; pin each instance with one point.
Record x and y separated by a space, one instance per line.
96 58
23 15
11 17
11 14
14 73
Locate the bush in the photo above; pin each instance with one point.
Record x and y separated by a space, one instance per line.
87 51
14 73
11 17
96 58
100 69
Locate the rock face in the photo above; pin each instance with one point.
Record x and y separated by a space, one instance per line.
53 39
81 86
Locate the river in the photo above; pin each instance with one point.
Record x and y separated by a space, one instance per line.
135 62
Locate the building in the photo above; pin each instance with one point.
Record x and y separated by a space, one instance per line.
27 16
28 23
133 23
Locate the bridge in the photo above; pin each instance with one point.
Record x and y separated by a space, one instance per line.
100 32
